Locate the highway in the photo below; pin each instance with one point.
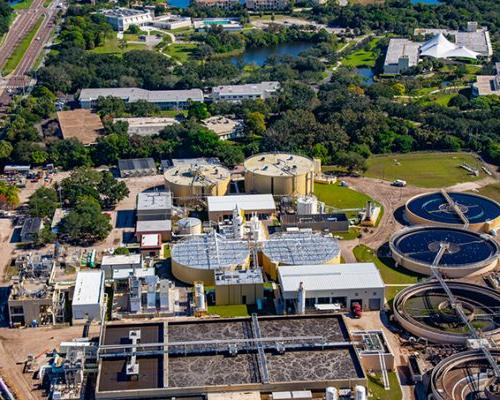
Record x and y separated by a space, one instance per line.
22 25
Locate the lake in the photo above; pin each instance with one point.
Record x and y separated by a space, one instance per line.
259 55
367 74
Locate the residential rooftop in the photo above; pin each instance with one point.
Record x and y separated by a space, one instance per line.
80 124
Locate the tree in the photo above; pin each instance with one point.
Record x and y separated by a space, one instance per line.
352 161
121 251
111 190
87 182
5 149
44 236
9 196
69 154
86 223
43 203
255 123
198 111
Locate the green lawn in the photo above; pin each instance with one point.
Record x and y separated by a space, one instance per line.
364 57
491 191
180 52
18 53
338 196
239 310
391 292
423 169
352 234
377 391
114 46
388 270
22 5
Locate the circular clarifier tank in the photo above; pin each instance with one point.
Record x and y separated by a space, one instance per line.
450 209
424 310
465 253
466 376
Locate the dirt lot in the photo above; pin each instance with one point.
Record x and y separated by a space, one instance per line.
16 344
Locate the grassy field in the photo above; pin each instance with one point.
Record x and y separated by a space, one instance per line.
423 169
180 52
389 272
20 50
491 191
377 391
239 310
364 57
114 46
340 197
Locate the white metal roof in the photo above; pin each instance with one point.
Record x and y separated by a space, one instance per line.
160 225
121 259
330 277
150 240
138 272
246 202
88 288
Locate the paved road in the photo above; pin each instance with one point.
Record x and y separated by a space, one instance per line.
19 77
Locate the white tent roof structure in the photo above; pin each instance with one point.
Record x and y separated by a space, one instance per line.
440 47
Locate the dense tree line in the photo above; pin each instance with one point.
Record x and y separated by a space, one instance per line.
5 16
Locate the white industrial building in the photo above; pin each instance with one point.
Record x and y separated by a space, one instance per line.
249 91
331 286
88 296
222 207
154 213
116 262
164 99
171 21
121 18
401 55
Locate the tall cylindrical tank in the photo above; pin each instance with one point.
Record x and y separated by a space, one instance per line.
359 393
307 205
199 296
301 299
332 393
189 226
191 181
281 174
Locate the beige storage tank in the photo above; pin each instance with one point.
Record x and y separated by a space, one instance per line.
191 181
281 174
189 226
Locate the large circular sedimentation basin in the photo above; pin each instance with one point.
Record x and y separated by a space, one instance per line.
482 213
424 311
465 376
466 253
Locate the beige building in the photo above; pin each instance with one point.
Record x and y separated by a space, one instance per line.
225 128
280 174
238 287
193 181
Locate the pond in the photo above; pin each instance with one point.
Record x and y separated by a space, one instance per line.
178 3
429 2
367 74
259 55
